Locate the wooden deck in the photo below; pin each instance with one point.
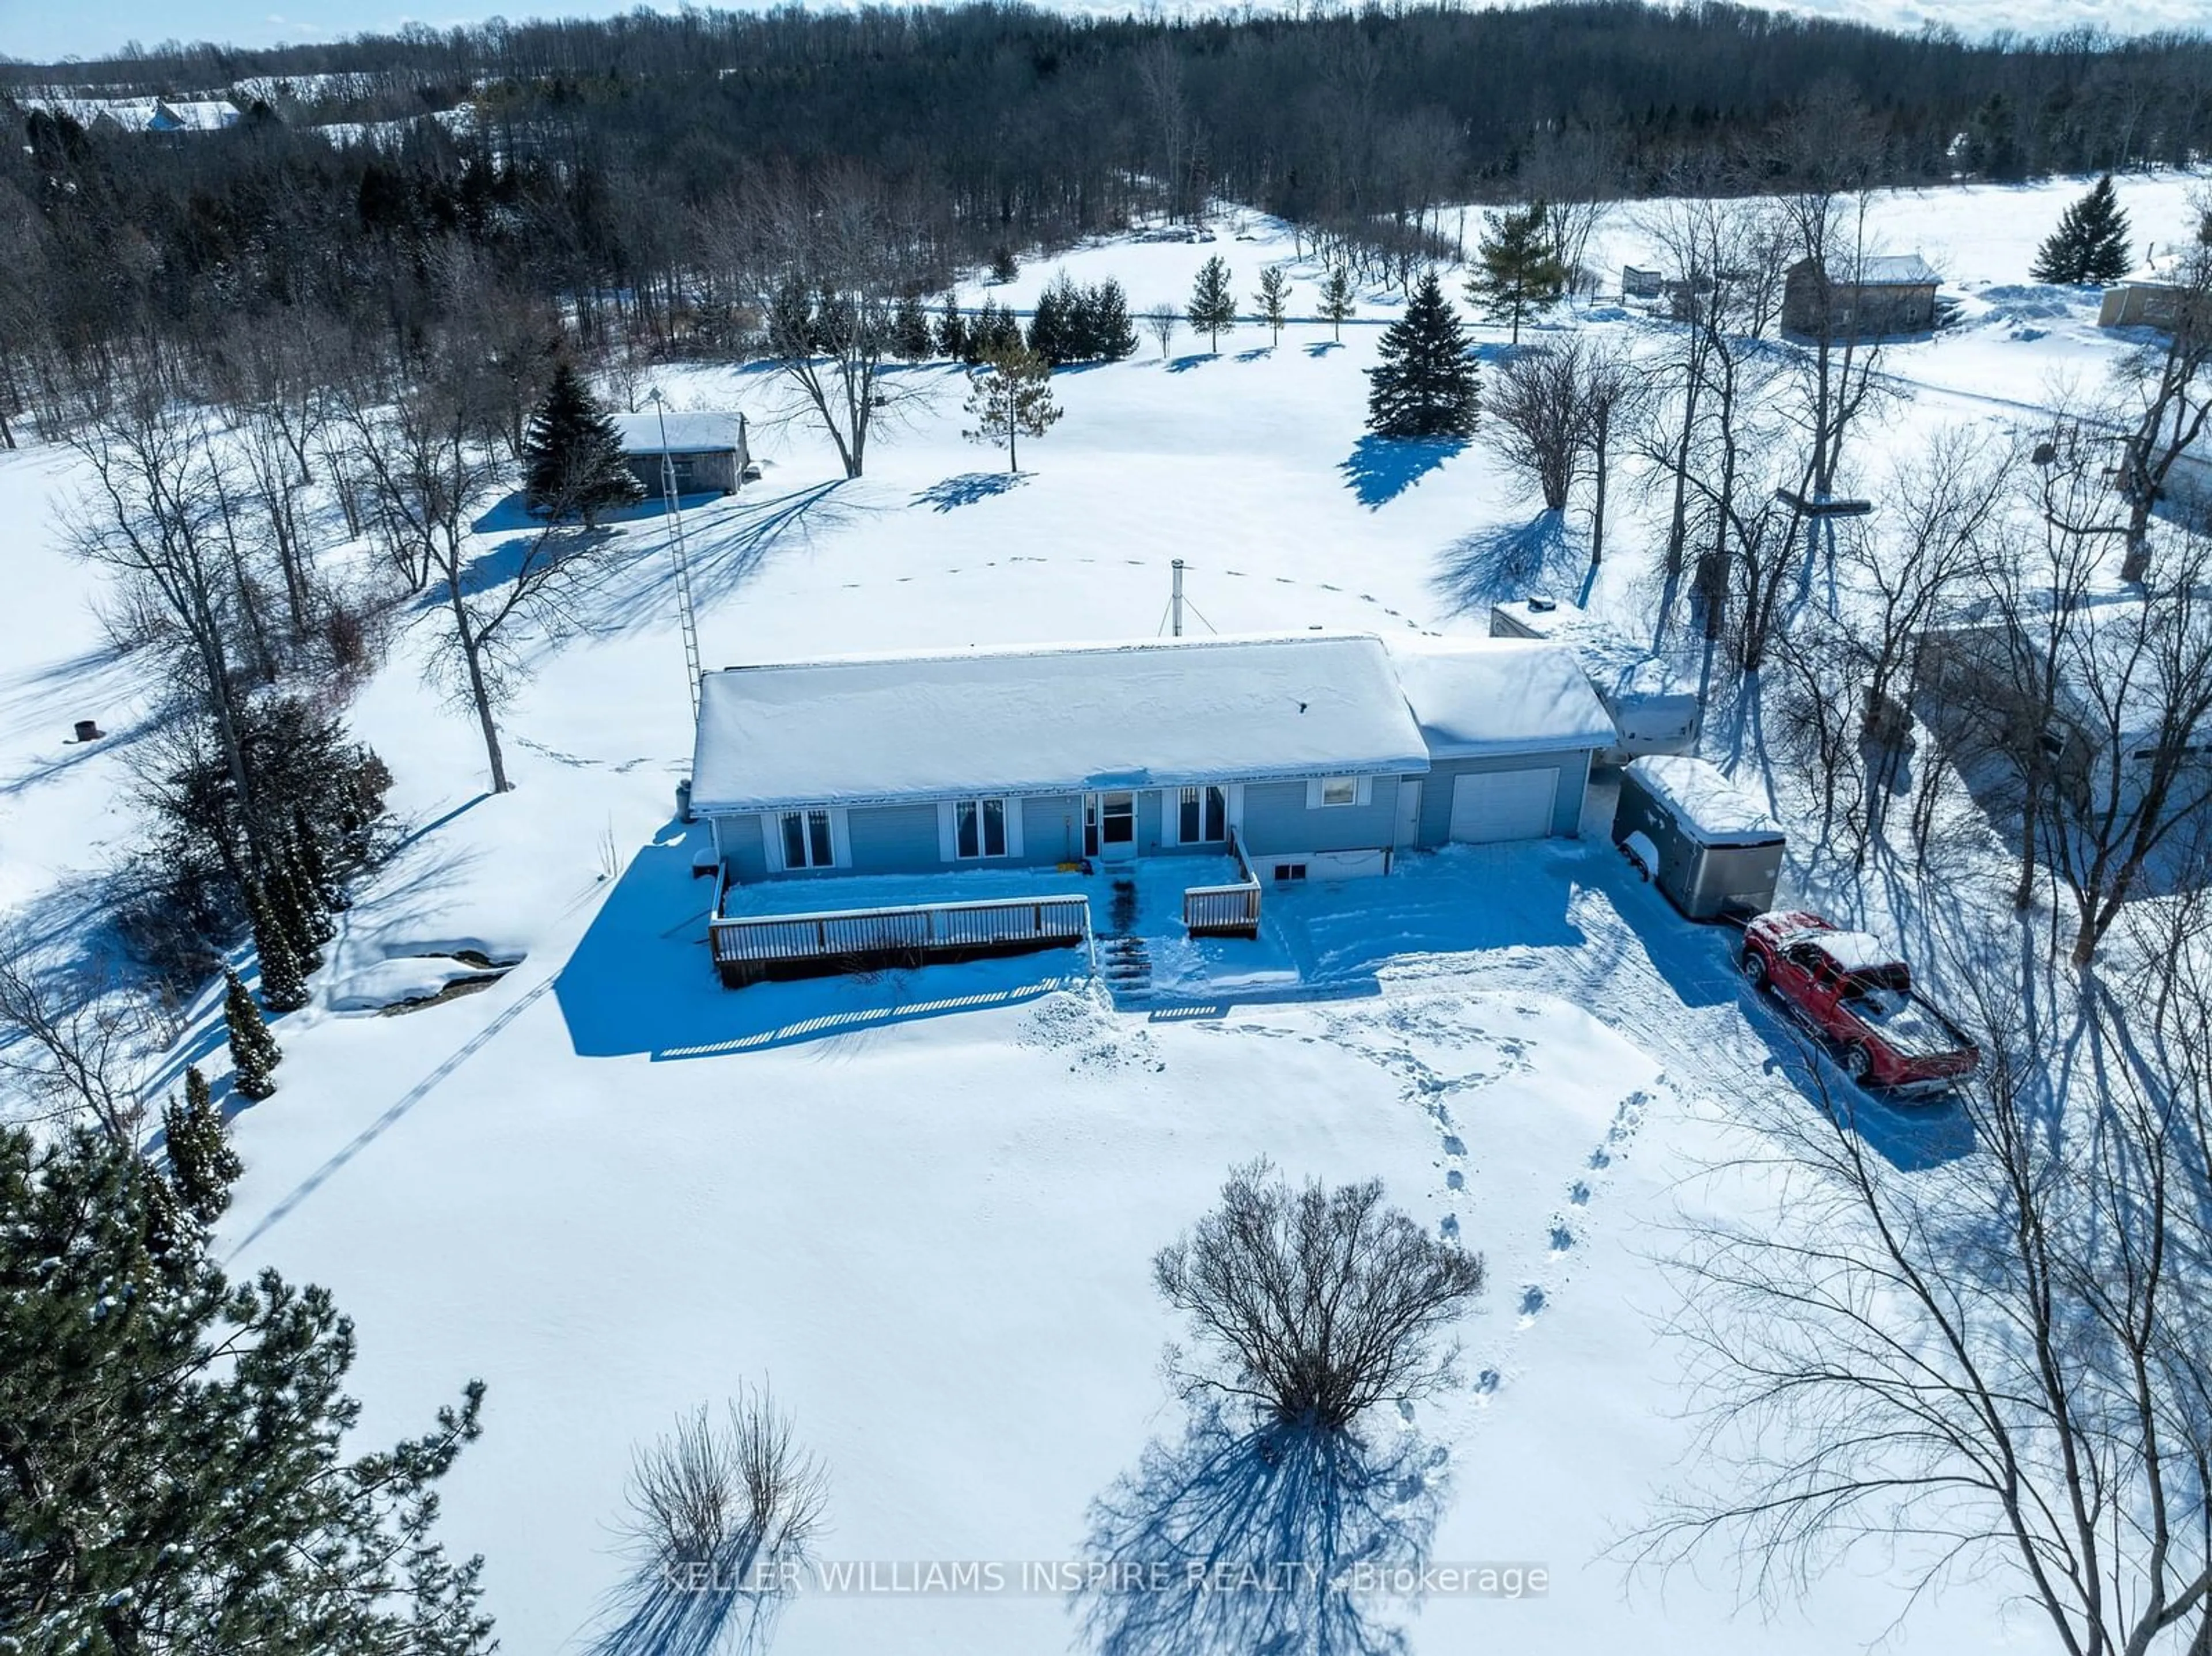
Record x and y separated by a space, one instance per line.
1224 911
751 948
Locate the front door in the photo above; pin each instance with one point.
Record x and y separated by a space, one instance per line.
1110 826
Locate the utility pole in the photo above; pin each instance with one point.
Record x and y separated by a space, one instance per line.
684 612
1174 602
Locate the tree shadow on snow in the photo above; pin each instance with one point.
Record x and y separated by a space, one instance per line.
1381 469
1196 359
1257 354
1507 560
969 488
1291 1518
1324 347
723 544
669 1608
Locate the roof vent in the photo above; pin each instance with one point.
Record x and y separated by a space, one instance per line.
1539 605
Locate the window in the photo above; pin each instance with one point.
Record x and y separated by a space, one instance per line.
1287 871
807 841
1337 791
1202 816
980 828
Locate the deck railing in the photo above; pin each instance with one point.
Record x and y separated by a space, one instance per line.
749 948
1224 911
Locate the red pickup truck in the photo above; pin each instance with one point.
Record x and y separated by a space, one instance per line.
1850 988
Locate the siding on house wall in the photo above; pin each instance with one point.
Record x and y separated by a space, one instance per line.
743 853
1277 819
1566 803
893 839
904 839
1052 828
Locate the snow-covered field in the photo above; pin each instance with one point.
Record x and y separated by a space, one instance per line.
923 1206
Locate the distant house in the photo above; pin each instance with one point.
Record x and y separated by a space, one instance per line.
1860 298
708 452
141 114
1309 756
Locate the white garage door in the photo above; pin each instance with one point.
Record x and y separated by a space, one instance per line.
1504 805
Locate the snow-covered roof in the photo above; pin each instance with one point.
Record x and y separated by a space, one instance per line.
1617 666
1882 270
197 115
687 434
1473 696
1052 719
1707 806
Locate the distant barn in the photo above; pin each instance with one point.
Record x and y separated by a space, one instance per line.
1860 297
708 452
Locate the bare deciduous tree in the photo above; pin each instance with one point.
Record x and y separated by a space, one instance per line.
831 260
733 1492
1314 1305
1994 1366
68 1044
2171 381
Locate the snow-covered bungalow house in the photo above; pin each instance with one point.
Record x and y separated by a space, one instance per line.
1263 760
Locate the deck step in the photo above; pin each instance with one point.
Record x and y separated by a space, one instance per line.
1126 966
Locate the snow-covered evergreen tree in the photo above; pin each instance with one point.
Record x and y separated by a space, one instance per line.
1424 384
2090 241
203 1167
283 974
572 455
254 1053
1056 325
159 1498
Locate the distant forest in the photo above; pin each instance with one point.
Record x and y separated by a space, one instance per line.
603 164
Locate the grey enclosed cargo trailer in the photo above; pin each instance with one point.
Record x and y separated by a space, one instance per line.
1708 845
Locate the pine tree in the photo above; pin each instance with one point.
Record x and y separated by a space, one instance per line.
1336 301
1520 270
911 337
203 1167
952 330
2090 241
1056 328
1010 397
1274 300
572 455
283 978
182 1476
1212 307
1425 384
1107 329
254 1053
314 865
298 911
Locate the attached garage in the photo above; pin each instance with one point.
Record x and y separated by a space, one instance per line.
1511 726
1487 807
